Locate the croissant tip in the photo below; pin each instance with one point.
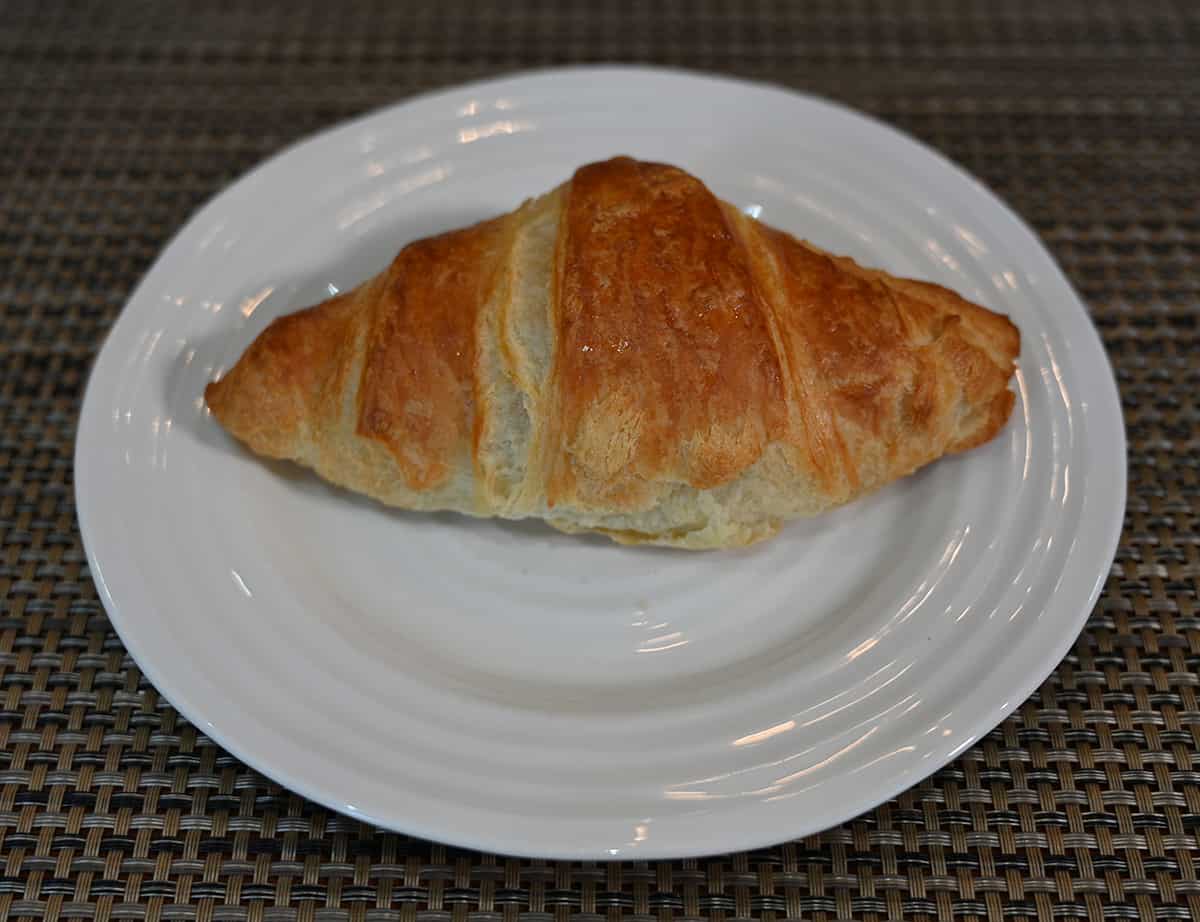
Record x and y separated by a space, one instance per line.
212 394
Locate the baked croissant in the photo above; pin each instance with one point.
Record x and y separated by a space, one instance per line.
628 355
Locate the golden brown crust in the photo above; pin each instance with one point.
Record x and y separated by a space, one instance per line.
677 372
888 373
665 368
418 379
277 393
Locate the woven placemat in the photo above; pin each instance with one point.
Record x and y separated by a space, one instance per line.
118 119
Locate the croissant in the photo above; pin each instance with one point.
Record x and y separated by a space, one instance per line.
627 355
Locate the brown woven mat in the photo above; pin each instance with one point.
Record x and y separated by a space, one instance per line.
118 119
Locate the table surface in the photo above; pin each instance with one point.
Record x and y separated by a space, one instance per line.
117 120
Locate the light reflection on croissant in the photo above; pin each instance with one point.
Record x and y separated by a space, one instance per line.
628 355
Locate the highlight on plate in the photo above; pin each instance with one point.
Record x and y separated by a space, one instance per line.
629 355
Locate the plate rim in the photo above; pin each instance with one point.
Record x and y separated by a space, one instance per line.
1114 466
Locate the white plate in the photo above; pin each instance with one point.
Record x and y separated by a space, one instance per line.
512 689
